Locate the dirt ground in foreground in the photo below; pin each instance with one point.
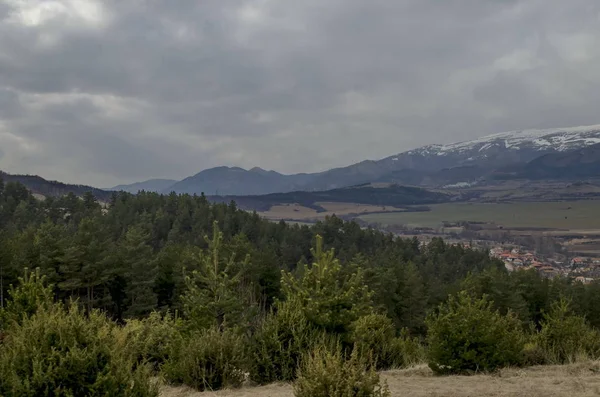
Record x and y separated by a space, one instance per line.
581 379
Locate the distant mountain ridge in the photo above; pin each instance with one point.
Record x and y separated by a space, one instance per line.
427 166
151 185
569 155
238 181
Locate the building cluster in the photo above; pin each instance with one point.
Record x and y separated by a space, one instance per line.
517 259
583 269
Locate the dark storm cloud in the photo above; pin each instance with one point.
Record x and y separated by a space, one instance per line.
111 91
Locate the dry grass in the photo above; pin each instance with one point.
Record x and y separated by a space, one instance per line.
582 379
277 390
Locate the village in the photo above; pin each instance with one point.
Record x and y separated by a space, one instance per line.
582 269
551 256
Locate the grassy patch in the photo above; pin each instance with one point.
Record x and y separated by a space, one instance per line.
570 215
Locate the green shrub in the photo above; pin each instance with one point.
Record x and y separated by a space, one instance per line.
374 335
207 360
325 373
565 336
279 343
533 354
411 349
31 294
152 339
468 336
60 352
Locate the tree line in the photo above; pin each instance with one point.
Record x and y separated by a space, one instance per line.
129 257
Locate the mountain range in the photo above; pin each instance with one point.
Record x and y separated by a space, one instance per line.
433 166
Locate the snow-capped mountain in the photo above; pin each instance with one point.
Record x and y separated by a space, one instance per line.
556 139
497 149
463 162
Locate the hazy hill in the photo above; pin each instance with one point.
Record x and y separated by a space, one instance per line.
47 188
238 181
151 185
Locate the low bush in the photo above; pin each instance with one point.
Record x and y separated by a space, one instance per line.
279 343
152 339
63 352
207 360
374 336
533 353
326 373
412 351
467 335
565 336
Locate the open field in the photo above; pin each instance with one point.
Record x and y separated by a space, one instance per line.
299 212
581 379
566 215
526 190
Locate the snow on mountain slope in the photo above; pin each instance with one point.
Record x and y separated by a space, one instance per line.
492 151
557 139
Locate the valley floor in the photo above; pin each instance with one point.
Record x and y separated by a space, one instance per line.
582 379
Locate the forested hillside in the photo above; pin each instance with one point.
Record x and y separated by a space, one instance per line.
39 185
130 259
256 297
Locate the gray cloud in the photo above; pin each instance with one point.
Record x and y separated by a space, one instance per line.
105 92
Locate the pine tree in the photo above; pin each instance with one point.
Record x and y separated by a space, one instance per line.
85 264
213 296
90 203
135 256
330 300
49 242
412 298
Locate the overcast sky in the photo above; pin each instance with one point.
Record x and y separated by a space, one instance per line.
109 91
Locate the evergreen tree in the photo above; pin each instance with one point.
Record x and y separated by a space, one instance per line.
213 296
412 300
329 299
49 243
85 265
135 255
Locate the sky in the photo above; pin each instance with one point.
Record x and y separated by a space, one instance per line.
103 92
